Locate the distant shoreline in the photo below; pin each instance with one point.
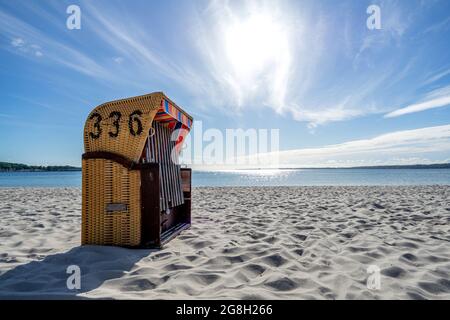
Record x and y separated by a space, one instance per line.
44 170
19 167
407 166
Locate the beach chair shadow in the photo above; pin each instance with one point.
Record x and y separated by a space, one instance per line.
47 278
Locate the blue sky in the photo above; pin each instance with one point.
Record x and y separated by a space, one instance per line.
340 94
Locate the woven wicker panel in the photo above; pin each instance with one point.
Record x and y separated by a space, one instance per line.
106 182
100 129
119 127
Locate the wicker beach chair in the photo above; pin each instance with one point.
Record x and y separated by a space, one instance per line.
134 193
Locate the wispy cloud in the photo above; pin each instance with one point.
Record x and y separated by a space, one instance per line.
25 47
118 60
295 84
236 56
26 38
424 145
321 82
140 52
437 76
17 42
426 105
438 26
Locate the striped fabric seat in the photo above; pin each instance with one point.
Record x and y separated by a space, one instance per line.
160 148
163 147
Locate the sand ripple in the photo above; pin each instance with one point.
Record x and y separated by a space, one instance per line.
252 243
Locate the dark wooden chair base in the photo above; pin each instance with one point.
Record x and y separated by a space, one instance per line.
157 227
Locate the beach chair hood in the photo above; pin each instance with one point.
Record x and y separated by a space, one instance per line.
122 126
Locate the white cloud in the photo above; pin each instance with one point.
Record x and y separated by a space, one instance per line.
246 53
316 82
17 42
28 41
138 48
426 105
438 26
297 72
424 145
437 77
300 73
339 112
24 47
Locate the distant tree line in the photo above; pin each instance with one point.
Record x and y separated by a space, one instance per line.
8 166
409 166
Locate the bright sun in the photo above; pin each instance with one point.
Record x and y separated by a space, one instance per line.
254 43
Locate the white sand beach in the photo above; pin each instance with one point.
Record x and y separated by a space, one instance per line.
245 243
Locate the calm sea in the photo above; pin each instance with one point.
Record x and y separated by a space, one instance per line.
298 177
